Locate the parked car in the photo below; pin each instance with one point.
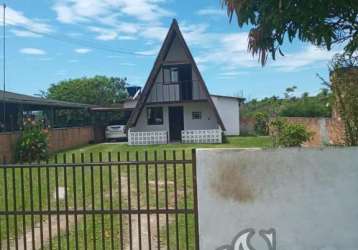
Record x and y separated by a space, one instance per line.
115 131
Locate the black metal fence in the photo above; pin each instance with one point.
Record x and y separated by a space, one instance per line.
126 200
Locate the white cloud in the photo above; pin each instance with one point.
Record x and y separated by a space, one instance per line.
103 33
150 52
308 57
82 50
32 51
211 11
127 38
18 19
70 11
24 33
229 52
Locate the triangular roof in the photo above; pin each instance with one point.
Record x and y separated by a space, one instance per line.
173 32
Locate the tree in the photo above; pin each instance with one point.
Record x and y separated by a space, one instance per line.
344 85
320 22
99 90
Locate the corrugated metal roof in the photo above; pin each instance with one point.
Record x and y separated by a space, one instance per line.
11 97
124 106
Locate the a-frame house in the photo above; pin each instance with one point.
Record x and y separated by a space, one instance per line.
175 104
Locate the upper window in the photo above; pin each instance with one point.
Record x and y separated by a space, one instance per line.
170 75
155 116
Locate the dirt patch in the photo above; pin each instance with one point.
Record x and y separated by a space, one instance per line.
231 183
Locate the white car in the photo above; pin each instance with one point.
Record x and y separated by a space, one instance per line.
115 132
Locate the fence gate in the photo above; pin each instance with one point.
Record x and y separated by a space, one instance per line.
131 200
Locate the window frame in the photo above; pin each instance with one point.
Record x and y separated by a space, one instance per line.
153 120
194 117
171 69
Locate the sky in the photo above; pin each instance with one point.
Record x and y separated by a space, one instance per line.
52 40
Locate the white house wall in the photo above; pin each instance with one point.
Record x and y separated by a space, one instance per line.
229 112
207 121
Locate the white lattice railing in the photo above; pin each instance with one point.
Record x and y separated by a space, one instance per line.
201 136
147 138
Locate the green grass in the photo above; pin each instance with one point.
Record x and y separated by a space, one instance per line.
40 182
233 142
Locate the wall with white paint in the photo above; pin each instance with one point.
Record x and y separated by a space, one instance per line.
208 119
309 196
229 111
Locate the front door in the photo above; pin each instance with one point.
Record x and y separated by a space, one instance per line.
176 123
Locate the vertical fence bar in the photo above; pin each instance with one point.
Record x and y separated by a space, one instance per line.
3 162
23 207
74 183
93 205
138 202
49 205
196 214
39 181
84 200
129 203
15 207
66 201
157 196
166 197
111 199
102 201
32 209
119 173
176 200
57 206
6 210
148 201
185 202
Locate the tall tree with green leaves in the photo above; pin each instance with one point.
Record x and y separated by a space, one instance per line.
320 22
99 90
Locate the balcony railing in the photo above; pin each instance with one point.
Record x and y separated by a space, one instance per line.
174 92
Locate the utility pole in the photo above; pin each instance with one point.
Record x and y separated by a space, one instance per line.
4 72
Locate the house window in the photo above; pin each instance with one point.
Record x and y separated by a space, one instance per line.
170 75
174 75
196 115
155 116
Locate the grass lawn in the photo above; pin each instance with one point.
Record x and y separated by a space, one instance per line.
40 185
233 142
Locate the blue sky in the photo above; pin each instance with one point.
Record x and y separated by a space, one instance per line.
76 38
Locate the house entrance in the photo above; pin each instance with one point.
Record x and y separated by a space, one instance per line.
176 123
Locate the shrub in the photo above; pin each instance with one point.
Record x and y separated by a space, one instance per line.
261 123
288 135
32 144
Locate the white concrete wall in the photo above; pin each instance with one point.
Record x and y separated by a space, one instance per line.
308 195
208 119
229 111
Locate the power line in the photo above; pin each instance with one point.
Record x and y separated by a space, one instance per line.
70 40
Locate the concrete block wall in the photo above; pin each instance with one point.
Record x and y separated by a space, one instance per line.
308 195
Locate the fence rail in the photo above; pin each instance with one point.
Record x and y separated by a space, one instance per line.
128 200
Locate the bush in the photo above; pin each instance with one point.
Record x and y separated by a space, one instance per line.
288 135
32 144
261 123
